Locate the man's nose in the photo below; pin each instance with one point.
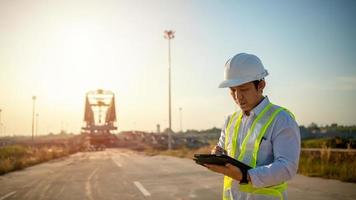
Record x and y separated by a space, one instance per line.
237 96
234 95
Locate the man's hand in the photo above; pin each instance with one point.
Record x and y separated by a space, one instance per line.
228 170
218 150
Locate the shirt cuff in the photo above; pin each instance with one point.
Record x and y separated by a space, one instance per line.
255 180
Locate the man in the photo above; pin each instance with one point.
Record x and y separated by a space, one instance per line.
263 136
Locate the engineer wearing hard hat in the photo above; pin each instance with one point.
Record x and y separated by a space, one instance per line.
262 135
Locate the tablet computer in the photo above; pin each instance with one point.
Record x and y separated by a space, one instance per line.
213 159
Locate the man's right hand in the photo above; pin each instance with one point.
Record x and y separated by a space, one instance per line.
217 150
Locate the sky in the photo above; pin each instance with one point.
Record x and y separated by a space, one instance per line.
59 50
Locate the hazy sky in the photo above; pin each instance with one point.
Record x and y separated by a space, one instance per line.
59 50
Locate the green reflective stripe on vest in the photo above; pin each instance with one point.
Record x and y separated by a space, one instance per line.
234 139
227 134
243 149
228 180
227 186
262 133
290 113
275 191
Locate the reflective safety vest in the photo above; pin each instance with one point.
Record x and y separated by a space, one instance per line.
247 153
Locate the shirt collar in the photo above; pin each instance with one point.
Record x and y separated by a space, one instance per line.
258 109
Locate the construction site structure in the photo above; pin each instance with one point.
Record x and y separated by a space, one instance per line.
99 119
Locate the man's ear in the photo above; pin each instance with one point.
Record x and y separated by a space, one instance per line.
261 85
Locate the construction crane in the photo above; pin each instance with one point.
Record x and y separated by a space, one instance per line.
99 119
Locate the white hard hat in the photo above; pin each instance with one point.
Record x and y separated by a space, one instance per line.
243 68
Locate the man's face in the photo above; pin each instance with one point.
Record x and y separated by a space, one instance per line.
247 96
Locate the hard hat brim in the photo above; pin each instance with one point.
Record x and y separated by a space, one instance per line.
232 83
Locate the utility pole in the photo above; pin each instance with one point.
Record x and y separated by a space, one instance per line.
33 115
0 124
36 125
169 35
180 119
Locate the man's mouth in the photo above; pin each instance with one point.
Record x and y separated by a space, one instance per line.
243 104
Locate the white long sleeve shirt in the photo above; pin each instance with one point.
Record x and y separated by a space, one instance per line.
278 156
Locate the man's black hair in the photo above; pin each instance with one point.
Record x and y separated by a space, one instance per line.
256 82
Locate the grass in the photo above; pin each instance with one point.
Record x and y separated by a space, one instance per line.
327 164
15 157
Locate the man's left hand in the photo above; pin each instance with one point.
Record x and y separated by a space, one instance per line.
227 170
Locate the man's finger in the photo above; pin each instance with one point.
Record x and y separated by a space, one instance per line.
228 165
209 166
217 168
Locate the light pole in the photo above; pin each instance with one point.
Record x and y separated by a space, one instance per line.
37 115
169 35
180 119
33 115
0 124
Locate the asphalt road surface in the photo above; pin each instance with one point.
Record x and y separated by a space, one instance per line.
126 175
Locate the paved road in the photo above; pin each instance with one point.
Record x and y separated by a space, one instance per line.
123 174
